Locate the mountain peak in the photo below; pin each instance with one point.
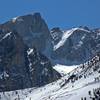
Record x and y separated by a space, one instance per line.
84 27
36 16
29 26
56 29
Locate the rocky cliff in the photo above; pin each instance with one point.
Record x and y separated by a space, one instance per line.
21 66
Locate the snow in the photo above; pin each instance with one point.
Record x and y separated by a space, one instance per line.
4 75
54 92
68 92
64 38
63 69
30 51
8 34
17 19
83 37
80 43
14 19
66 35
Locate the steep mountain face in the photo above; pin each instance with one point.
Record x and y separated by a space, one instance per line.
32 28
76 45
20 66
41 69
73 46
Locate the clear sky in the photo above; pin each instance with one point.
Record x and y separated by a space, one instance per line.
62 13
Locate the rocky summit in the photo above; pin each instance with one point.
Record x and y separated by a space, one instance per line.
32 28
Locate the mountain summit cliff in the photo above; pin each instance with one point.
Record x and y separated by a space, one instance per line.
32 28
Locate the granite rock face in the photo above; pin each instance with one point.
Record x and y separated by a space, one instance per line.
21 66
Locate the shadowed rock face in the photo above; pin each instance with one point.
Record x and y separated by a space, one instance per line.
80 46
20 66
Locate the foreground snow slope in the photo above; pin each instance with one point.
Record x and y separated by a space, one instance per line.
69 92
74 86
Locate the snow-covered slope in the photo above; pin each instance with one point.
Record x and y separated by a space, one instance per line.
71 87
63 69
81 83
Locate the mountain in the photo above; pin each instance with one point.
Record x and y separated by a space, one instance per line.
29 50
81 83
20 66
32 28
71 47
74 46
